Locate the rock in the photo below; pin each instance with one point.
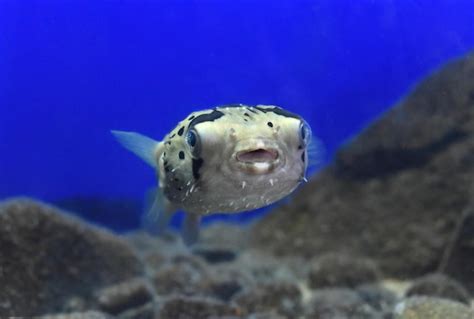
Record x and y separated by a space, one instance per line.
281 298
195 308
143 312
224 236
183 278
76 304
432 308
263 268
124 296
396 191
225 289
439 285
214 256
265 316
377 297
155 251
48 257
79 315
338 270
341 303
460 263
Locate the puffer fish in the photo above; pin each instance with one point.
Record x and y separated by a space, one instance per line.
228 159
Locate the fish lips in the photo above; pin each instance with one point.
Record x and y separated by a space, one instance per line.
258 160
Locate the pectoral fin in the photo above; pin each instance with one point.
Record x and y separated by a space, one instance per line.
142 146
190 229
158 216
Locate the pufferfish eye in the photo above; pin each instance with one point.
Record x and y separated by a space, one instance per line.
192 138
305 133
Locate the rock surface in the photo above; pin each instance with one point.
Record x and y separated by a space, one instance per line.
395 192
195 308
432 308
438 285
340 303
47 257
338 270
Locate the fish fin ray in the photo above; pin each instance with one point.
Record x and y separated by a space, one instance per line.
158 216
316 154
141 145
190 229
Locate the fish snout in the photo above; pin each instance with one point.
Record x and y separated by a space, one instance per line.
257 157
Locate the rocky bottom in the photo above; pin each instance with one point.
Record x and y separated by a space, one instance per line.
56 266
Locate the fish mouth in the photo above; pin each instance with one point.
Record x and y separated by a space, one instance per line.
259 155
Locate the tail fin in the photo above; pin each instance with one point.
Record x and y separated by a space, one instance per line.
144 147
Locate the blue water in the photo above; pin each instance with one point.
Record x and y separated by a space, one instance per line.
73 70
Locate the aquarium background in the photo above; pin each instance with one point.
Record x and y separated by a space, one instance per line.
73 70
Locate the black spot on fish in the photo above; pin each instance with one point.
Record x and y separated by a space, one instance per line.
246 114
181 131
208 117
300 147
279 111
270 124
164 154
169 142
246 120
181 155
303 156
172 135
197 163
191 118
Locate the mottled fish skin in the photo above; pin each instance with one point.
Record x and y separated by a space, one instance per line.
228 159
207 178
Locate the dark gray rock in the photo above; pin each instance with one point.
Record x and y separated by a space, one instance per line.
340 303
79 315
184 278
281 298
214 256
339 270
438 285
143 312
396 191
224 289
432 308
265 316
124 296
377 297
48 257
195 308
460 259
